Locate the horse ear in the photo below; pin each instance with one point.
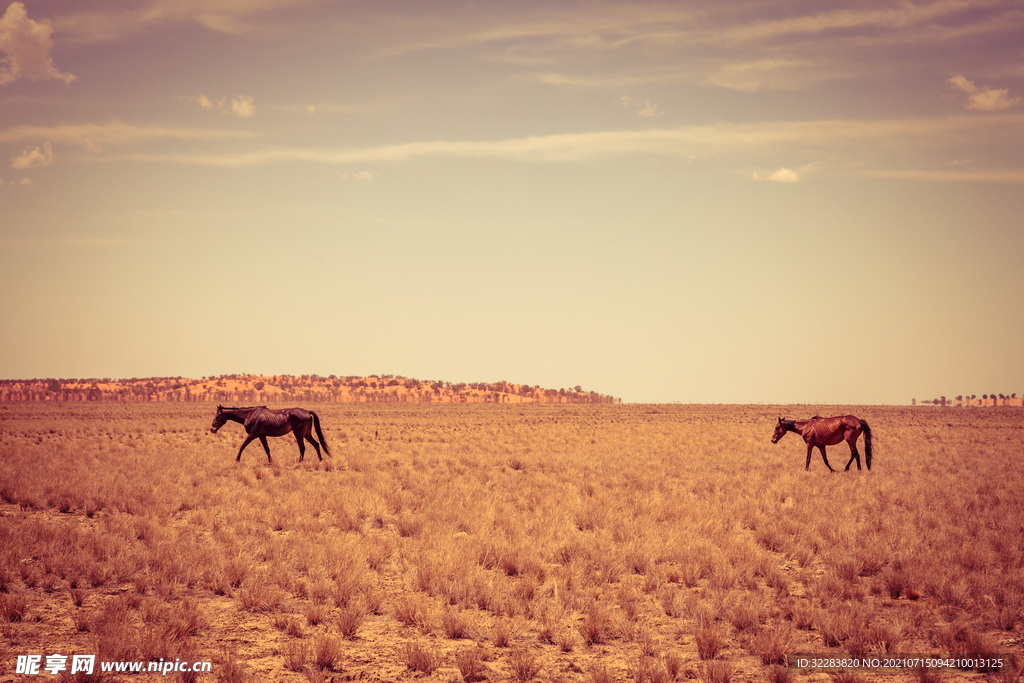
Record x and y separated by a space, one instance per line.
219 409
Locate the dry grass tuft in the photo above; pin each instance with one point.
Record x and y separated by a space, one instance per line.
718 672
523 665
711 640
772 644
778 673
471 664
597 624
327 652
350 618
296 654
421 658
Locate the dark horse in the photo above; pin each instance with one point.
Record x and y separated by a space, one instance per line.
261 422
819 432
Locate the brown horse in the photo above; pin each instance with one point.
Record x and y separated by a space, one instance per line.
819 432
261 422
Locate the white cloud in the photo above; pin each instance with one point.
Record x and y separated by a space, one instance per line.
783 175
202 100
983 99
311 108
992 99
25 181
962 83
764 73
26 44
645 106
242 106
858 146
33 157
364 176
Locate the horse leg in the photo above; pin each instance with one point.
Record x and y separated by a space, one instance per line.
825 458
854 455
302 446
248 440
807 465
316 446
263 440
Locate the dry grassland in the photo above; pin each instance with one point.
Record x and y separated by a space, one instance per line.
547 543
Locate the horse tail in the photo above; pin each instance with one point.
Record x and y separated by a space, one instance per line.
323 441
867 443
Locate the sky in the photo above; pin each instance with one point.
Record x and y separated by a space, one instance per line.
713 202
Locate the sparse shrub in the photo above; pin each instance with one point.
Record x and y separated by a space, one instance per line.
454 625
745 615
228 668
650 670
710 641
471 664
565 640
327 653
772 644
504 631
523 664
599 673
777 673
597 624
718 672
13 607
408 526
420 658
288 624
259 596
411 610
350 618
296 653
316 613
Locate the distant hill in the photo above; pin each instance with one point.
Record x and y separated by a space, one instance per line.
264 389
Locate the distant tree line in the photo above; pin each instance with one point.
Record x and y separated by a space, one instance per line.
258 389
973 400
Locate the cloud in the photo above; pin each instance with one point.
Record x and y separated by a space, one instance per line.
364 176
645 106
202 100
983 99
781 175
764 73
33 157
992 99
26 44
858 146
25 181
243 107
106 22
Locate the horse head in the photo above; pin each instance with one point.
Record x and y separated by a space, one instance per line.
218 420
780 431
